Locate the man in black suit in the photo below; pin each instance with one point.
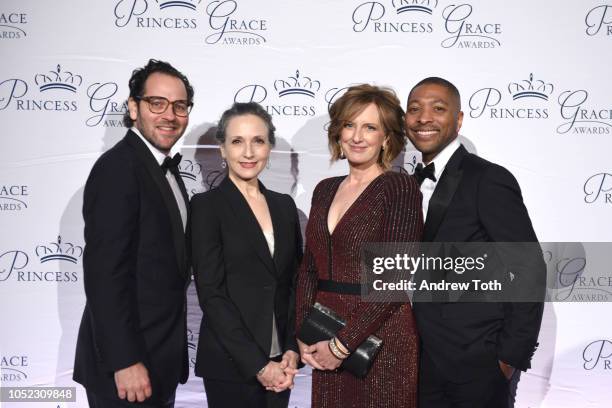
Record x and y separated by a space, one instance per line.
132 342
470 351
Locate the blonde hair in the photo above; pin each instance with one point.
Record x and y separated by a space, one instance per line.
391 114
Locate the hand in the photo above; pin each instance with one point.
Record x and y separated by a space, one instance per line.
289 362
273 377
323 356
306 355
289 365
506 369
133 382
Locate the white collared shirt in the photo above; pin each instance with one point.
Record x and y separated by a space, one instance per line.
160 157
440 161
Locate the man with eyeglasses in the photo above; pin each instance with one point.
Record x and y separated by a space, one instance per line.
132 345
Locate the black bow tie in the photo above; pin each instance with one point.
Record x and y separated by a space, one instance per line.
171 163
421 173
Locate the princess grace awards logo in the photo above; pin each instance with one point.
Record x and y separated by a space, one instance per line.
13 368
58 251
399 16
157 14
13 197
14 264
228 27
598 355
459 22
598 21
54 90
522 99
291 96
530 99
107 111
467 32
598 189
581 117
57 79
61 90
12 26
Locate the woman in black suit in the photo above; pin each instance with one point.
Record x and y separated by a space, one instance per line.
246 246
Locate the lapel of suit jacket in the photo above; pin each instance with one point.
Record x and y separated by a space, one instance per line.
443 194
246 219
154 169
280 227
186 235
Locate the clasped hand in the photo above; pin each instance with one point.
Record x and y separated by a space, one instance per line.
319 356
278 377
133 383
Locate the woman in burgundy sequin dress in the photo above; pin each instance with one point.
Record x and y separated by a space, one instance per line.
370 204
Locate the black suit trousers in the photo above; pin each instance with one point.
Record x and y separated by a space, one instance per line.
488 389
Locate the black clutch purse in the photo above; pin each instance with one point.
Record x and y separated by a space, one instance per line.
323 323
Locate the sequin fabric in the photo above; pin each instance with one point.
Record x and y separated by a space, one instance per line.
388 210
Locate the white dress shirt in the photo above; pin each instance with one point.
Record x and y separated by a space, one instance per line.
428 186
160 156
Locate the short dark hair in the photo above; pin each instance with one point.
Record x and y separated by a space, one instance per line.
140 76
442 82
391 115
241 109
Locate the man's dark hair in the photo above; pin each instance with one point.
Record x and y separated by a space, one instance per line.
442 82
140 76
241 109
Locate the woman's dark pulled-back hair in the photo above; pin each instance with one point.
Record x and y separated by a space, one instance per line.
241 109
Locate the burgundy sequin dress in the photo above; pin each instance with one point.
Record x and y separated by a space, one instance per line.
388 210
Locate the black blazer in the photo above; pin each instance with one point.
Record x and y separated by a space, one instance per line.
135 269
239 283
478 201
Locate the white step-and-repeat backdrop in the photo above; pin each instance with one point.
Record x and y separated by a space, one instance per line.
535 84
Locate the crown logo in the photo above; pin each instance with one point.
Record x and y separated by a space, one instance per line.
190 4
296 85
530 88
58 80
189 169
422 6
61 251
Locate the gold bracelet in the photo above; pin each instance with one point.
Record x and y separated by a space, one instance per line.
335 350
341 347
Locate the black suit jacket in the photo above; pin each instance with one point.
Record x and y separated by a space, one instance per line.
239 283
478 201
136 273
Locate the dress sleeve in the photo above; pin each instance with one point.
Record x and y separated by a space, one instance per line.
402 222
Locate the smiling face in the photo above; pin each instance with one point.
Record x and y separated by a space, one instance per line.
247 147
433 119
162 130
362 138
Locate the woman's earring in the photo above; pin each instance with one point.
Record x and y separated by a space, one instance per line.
268 164
341 156
223 163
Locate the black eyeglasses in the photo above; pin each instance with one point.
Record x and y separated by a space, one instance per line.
159 104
